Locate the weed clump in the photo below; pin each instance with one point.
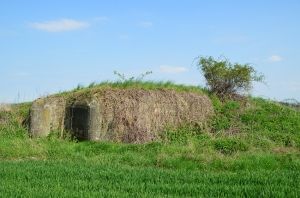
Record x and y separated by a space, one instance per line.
230 146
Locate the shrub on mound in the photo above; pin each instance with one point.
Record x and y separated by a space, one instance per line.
227 79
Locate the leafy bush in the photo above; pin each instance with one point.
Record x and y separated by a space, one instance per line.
227 79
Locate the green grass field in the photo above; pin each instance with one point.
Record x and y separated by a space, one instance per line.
248 150
86 179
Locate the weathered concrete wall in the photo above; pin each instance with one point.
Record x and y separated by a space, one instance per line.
47 115
122 115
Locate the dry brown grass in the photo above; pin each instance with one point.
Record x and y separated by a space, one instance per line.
135 115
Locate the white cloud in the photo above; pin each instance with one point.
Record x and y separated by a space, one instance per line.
275 58
172 69
60 25
146 24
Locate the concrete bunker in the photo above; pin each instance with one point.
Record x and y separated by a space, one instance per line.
121 115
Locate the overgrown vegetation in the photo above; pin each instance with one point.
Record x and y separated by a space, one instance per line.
250 148
226 79
136 84
124 82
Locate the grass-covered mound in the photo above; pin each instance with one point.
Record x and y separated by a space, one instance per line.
250 148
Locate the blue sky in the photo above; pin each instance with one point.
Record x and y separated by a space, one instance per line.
50 46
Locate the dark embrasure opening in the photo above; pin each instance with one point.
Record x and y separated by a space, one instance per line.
80 121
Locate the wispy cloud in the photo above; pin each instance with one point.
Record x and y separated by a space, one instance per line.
146 24
172 69
60 25
275 58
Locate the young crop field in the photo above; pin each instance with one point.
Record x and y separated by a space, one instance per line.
85 179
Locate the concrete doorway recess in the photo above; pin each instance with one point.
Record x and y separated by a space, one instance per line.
80 121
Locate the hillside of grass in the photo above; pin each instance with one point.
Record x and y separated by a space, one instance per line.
251 147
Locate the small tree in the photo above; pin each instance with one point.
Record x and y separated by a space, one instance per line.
227 79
